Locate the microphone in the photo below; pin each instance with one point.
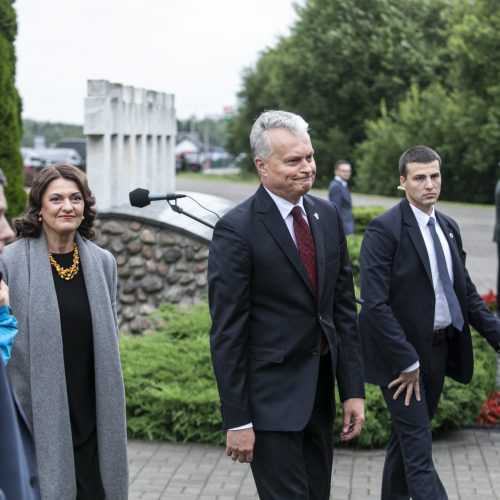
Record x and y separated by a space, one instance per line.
140 197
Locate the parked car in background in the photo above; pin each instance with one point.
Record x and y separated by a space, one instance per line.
36 159
51 156
79 144
32 164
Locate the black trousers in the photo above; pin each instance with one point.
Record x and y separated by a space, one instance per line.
298 465
409 468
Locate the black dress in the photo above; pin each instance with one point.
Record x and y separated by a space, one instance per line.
78 350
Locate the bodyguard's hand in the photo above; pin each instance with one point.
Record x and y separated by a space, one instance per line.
240 445
354 416
409 381
4 294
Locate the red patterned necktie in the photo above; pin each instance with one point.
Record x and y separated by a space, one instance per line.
305 245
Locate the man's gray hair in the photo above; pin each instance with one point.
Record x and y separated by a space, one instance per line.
259 135
3 179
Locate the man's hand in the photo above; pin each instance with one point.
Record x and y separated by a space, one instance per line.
4 294
409 381
354 416
240 445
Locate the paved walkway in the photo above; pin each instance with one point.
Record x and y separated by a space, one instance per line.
468 461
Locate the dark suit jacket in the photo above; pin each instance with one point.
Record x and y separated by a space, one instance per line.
266 321
18 474
341 196
397 317
496 231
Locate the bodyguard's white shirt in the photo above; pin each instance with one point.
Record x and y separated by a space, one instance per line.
442 316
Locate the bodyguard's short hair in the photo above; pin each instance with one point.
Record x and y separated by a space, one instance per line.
417 154
3 179
268 120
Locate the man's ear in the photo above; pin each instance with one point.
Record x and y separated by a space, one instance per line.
260 165
402 181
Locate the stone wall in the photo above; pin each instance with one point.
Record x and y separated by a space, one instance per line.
157 263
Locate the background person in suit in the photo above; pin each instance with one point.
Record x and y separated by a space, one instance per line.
414 321
338 192
284 320
496 238
18 474
65 366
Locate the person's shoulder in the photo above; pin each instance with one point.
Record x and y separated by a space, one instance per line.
450 221
389 219
101 253
241 213
318 201
12 249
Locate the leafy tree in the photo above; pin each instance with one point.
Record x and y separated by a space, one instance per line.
10 111
341 60
460 117
50 131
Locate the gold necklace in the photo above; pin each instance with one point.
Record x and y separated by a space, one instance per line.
67 273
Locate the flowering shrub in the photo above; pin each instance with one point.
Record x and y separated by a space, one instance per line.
490 412
491 300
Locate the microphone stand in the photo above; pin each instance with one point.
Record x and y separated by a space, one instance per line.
180 210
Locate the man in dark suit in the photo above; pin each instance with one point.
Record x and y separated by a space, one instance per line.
496 237
414 321
284 320
338 192
18 474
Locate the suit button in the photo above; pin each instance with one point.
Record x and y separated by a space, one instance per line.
32 480
314 352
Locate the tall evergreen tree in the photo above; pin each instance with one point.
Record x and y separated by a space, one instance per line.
10 111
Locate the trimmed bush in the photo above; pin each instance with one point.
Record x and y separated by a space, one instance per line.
170 386
363 216
172 395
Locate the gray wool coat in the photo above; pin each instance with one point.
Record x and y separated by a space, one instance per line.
37 372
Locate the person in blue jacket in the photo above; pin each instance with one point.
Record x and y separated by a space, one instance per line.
18 471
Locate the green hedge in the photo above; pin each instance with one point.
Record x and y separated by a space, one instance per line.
363 216
171 391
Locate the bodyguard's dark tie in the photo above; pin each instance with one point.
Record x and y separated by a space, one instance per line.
305 245
457 319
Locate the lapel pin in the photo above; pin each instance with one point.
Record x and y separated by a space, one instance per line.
316 216
451 235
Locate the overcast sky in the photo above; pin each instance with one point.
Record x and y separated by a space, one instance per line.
195 49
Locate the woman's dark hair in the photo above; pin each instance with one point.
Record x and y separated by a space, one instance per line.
28 225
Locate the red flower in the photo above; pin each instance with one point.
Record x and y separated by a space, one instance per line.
491 300
490 412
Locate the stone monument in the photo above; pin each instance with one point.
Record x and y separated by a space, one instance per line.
130 141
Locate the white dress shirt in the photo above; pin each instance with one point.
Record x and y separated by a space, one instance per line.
442 316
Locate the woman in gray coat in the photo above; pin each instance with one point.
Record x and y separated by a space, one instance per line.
65 365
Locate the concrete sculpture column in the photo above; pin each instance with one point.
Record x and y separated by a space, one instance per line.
130 141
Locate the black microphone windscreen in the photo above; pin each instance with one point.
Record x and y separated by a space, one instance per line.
139 197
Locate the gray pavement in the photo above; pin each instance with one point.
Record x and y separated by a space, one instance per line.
468 461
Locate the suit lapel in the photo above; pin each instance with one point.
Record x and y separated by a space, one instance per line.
416 236
274 223
455 254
